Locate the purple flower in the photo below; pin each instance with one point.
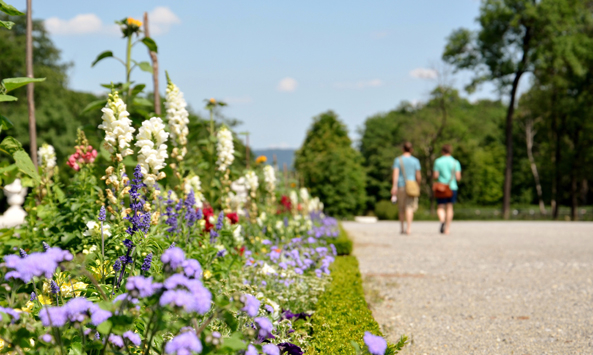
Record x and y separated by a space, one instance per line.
251 304
77 308
213 236
133 337
36 264
117 265
53 316
184 344
290 349
265 326
102 214
22 253
45 246
140 286
11 312
220 221
376 344
98 315
287 314
116 340
192 268
190 214
251 350
140 220
128 243
221 253
318 272
199 214
33 297
269 308
173 257
271 349
55 289
147 262
196 298
334 251
46 338
298 270
171 215
266 242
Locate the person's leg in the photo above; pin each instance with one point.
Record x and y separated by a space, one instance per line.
411 207
401 204
449 217
442 215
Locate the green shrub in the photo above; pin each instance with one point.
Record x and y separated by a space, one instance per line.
343 243
385 210
342 314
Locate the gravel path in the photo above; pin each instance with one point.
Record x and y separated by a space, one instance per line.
488 288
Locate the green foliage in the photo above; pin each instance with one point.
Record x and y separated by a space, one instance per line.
342 313
331 167
343 243
385 210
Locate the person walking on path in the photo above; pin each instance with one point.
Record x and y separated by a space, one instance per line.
406 186
447 172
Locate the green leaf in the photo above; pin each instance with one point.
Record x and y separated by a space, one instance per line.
137 89
8 168
234 342
15 83
6 24
102 56
5 123
355 346
104 328
4 98
150 44
75 349
11 145
9 9
140 101
25 164
95 105
145 66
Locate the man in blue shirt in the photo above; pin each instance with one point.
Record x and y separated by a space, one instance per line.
409 165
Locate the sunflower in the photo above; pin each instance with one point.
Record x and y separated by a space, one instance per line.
261 159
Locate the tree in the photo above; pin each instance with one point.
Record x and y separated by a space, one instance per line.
331 167
501 51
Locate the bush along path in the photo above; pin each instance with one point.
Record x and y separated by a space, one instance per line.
343 323
145 261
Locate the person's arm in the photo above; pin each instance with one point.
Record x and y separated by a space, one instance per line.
458 175
435 174
395 180
418 177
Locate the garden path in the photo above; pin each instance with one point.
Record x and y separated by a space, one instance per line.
488 288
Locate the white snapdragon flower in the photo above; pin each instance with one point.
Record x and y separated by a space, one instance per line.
304 194
94 229
117 126
315 205
251 181
46 156
195 184
270 178
237 235
151 139
177 117
225 149
294 199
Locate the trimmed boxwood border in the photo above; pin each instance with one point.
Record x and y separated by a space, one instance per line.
342 314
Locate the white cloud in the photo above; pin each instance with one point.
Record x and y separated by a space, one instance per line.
379 34
79 25
363 84
161 19
238 100
424 73
281 145
287 85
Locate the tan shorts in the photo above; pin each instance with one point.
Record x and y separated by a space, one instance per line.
405 202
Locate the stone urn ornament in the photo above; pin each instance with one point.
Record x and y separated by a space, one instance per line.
15 214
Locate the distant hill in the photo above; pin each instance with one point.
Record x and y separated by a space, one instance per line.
282 156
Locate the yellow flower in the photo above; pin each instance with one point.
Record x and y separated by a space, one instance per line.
28 307
212 101
1 343
207 274
261 159
264 250
133 22
44 299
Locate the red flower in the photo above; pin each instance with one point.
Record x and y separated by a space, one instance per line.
233 217
208 212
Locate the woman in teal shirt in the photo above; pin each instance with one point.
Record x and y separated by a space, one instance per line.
447 170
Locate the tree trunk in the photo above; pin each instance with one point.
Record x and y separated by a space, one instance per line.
529 135
557 172
30 86
584 191
155 70
508 171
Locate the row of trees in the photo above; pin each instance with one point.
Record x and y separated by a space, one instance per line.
536 148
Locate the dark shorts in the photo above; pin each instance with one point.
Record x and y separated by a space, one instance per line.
452 199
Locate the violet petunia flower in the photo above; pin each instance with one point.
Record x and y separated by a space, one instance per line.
290 349
184 344
375 344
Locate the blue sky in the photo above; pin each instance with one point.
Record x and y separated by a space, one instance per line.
277 63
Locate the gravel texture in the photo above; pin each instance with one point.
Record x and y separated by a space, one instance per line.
488 288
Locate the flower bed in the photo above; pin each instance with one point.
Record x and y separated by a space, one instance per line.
152 263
